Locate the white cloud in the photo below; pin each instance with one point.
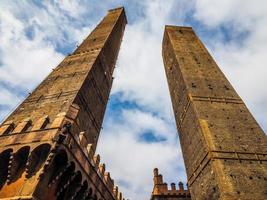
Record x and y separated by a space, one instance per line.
243 13
73 8
30 40
140 57
24 61
243 59
8 98
141 76
132 161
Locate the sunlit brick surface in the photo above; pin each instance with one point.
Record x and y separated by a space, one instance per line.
224 148
47 144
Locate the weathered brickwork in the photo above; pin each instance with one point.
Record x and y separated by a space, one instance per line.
224 148
161 191
47 145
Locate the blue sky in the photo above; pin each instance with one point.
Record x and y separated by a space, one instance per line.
139 131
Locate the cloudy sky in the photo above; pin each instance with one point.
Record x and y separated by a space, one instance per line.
139 130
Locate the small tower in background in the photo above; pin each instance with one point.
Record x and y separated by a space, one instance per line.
162 192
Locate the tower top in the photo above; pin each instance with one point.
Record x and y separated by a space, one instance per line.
161 188
116 9
178 27
119 9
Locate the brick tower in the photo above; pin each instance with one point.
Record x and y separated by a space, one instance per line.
224 148
161 191
47 144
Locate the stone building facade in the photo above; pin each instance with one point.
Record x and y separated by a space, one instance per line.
47 145
224 148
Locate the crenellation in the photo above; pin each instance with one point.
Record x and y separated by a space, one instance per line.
102 169
96 160
162 191
90 151
181 186
119 196
173 187
109 181
115 191
82 140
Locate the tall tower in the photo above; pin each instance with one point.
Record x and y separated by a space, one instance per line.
47 144
224 148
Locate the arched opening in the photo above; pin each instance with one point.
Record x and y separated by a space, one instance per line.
19 163
4 161
82 192
64 180
37 158
89 194
74 186
58 166
95 197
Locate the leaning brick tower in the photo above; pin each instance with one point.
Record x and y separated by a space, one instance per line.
47 144
224 148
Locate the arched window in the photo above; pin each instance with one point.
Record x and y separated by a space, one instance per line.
19 163
37 159
82 192
74 186
4 161
58 166
95 197
89 194
64 180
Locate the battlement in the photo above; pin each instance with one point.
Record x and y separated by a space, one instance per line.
52 140
161 188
